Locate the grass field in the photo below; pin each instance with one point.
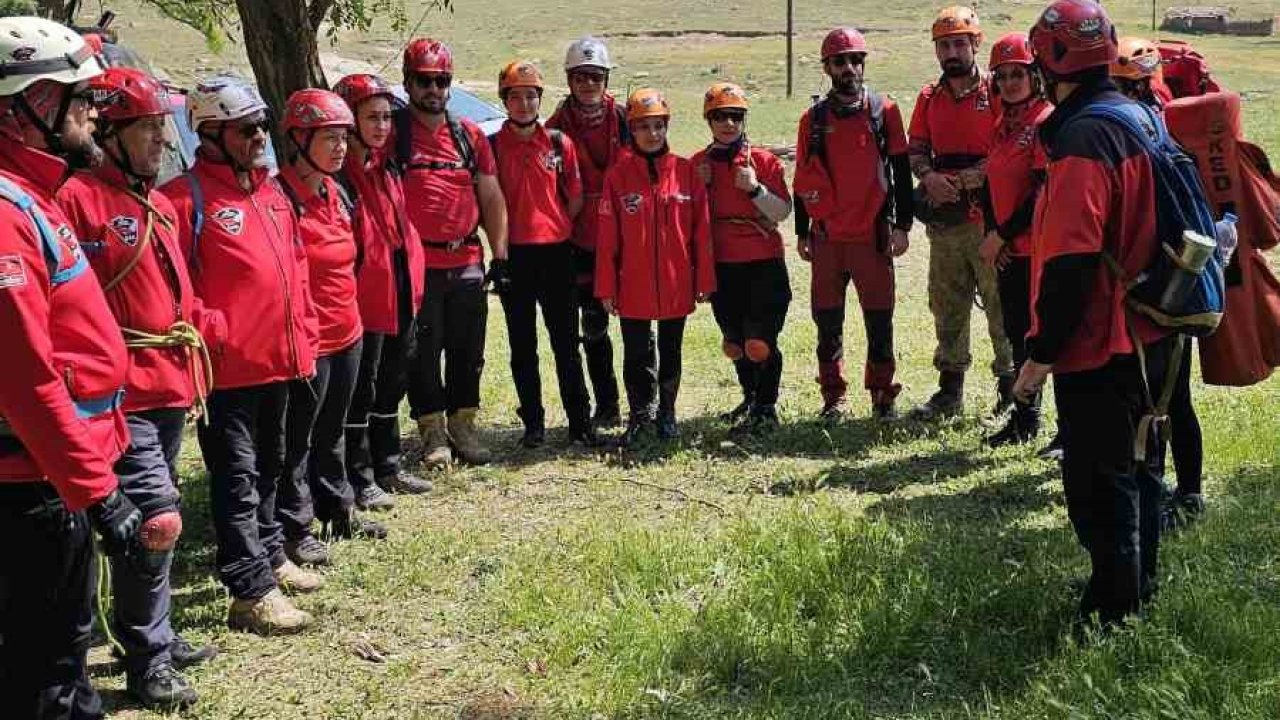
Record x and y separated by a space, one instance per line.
847 571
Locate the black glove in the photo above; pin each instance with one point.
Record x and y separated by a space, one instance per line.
117 521
498 278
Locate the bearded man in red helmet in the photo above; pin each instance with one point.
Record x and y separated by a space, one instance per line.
853 181
1097 208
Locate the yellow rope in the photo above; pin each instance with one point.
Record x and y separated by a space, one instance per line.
181 334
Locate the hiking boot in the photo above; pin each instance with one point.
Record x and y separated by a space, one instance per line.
162 687
348 526
667 427
185 655
1052 451
738 412
607 416
1022 426
947 402
585 436
1004 394
885 411
466 439
307 550
373 497
271 614
534 437
292 578
436 454
761 421
833 408
1181 511
405 483
636 426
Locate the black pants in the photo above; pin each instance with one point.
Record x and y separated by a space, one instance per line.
373 420
596 344
750 303
543 275
243 447
1014 284
451 327
1113 501
651 372
314 482
47 584
1185 438
148 473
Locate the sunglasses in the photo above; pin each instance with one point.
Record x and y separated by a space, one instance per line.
1015 74
249 130
587 77
726 116
424 80
849 59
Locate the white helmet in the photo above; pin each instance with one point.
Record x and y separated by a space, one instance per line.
34 49
587 51
221 98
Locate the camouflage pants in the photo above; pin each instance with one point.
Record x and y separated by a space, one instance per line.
956 270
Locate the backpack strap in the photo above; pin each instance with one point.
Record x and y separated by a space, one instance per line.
624 130
816 143
404 138
557 156
197 218
462 141
294 200
10 192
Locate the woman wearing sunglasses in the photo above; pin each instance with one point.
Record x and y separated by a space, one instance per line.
653 261
747 195
1015 172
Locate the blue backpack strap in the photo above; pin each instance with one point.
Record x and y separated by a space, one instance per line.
48 238
197 217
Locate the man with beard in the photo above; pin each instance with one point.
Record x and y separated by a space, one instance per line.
951 132
853 178
130 239
238 232
451 188
597 125
61 424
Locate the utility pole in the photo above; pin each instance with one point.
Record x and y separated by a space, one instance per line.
791 17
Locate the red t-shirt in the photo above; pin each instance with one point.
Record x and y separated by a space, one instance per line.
327 236
442 204
739 233
1015 157
854 166
953 125
537 185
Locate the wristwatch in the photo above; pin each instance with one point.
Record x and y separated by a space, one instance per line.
757 191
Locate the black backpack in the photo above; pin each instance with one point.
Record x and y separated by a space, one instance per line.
819 126
404 146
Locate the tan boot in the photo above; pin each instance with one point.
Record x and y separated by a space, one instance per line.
462 429
292 578
436 454
271 614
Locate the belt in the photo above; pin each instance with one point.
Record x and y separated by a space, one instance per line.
453 245
956 161
764 227
85 409
184 335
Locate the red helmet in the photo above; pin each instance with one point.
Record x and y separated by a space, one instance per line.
843 40
355 89
124 93
312 109
1072 36
1011 48
425 55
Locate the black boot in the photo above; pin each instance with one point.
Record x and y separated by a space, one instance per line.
533 437
348 526
185 655
1022 426
1004 394
947 402
739 411
667 428
162 687
636 425
761 421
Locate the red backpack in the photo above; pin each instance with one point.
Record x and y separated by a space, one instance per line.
1186 73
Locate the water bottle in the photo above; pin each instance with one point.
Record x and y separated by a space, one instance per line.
1195 254
1228 237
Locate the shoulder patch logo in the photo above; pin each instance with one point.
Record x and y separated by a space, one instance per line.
126 228
13 273
230 219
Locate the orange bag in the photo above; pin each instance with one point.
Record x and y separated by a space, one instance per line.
1246 347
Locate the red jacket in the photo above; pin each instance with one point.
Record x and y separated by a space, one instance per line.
250 264
64 359
383 229
1016 158
325 225
151 295
598 148
653 253
739 233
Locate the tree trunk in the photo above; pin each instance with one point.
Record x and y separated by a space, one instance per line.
281 44
63 11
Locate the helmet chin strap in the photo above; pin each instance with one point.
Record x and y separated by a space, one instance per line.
52 133
122 160
304 151
219 142
525 124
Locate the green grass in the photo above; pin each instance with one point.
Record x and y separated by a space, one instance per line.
833 572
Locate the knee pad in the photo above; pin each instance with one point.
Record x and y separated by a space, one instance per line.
732 350
758 350
160 532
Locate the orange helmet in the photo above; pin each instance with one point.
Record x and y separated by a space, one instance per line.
1138 59
723 96
647 102
956 20
519 73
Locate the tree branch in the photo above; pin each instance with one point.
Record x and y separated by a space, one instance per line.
317 11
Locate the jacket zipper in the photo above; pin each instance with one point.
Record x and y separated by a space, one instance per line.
284 280
655 191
